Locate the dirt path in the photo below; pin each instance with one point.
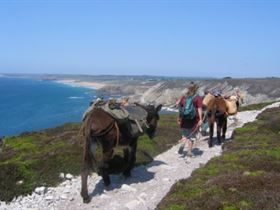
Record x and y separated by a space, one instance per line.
144 190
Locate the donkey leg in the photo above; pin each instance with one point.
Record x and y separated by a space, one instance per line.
219 134
224 128
126 155
211 128
131 159
220 123
105 166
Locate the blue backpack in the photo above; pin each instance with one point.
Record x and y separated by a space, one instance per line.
188 111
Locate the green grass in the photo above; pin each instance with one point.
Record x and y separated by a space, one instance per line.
246 176
37 158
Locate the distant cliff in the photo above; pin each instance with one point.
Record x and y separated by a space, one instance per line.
169 91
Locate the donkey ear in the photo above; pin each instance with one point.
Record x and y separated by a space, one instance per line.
158 108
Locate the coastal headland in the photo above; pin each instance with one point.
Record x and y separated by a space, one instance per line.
167 90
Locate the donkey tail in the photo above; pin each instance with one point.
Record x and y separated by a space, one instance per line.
89 149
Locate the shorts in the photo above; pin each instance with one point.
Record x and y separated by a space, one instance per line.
188 133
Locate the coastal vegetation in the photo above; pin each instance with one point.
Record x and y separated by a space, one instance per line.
255 106
36 159
246 176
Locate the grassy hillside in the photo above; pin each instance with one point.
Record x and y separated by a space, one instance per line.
255 106
36 159
246 176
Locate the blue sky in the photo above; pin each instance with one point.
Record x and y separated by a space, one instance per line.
168 38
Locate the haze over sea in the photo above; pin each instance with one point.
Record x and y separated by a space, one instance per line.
30 105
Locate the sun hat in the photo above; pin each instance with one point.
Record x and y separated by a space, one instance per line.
192 88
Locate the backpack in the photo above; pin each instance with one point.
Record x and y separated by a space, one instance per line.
188 111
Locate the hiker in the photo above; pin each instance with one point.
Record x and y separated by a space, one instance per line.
190 117
239 96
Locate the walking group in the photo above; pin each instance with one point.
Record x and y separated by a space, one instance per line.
198 113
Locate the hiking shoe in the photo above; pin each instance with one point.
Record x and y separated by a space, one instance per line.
181 149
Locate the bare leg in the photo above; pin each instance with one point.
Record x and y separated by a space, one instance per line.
190 147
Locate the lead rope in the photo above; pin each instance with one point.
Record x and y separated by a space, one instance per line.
194 129
139 127
146 124
181 148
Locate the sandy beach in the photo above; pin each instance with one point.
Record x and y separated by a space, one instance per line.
76 83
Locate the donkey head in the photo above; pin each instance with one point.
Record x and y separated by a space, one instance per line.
152 118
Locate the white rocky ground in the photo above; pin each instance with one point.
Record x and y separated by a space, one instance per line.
144 190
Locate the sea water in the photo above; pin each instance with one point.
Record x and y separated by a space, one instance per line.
31 105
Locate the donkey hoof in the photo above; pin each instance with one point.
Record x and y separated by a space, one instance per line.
86 199
127 174
106 183
210 145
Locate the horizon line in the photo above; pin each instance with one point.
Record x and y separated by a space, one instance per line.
136 75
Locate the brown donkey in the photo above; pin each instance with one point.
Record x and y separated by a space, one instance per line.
100 127
217 112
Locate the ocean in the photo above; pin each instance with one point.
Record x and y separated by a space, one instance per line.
32 105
